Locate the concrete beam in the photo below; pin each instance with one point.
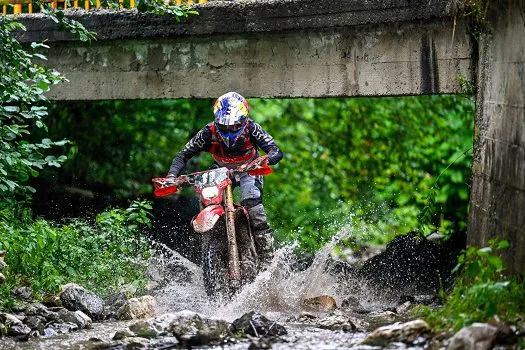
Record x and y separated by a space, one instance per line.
265 49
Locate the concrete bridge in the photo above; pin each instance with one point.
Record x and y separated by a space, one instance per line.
311 48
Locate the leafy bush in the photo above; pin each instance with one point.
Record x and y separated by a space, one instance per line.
101 255
22 87
481 292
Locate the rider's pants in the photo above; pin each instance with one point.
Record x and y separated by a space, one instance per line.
251 198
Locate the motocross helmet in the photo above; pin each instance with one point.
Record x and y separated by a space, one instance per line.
230 111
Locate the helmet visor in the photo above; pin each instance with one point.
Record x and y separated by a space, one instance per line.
229 128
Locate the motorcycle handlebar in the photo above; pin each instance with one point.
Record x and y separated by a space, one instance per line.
258 166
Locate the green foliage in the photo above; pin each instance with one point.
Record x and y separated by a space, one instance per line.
68 24
368 162
481 292
22 87
101 256
159 7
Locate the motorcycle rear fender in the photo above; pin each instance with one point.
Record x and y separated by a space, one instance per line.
207 218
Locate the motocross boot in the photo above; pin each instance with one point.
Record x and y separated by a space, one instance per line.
262 234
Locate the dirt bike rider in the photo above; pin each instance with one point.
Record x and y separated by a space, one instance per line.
233 139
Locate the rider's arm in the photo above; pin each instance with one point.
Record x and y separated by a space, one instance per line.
265 141
198 143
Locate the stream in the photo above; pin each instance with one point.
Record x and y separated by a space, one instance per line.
278 293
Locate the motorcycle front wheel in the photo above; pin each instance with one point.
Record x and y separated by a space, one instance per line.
215 268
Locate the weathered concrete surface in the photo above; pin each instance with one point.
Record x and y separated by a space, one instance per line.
498 183
272 49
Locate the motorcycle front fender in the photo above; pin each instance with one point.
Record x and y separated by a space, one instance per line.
207 218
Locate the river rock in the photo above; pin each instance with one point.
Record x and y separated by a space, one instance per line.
23 293
13 325
398 332
478 336
321 303
63 328
36 323
255 324
77 317
136 308
75 297
188 327
337 322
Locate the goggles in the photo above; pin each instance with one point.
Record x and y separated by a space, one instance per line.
230 128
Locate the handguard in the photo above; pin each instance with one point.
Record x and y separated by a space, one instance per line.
259 166
164 186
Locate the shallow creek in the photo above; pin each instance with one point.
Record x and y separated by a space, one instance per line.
278 293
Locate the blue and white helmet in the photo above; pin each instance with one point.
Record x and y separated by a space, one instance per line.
230 111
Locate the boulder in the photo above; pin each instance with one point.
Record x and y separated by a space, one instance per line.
75 297
255 324
136 308
76 317
478 336
398 332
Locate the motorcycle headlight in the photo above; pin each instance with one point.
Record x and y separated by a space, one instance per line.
210 192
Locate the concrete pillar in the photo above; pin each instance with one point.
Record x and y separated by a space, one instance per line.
498 180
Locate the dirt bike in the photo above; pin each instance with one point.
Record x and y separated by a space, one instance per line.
229 257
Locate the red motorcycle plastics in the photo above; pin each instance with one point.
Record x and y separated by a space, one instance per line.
164 191
207 218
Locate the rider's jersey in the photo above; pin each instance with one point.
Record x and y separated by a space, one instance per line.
245 148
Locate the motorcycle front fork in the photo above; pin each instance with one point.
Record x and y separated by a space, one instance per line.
234 269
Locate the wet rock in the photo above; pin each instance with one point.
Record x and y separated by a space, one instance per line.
13 325
75 297
63 328
337 322
255 324
188 327
384 316
404 308
260 343
192 329
398 332
136 308
115 301
320 303
123 333
306 316
36 323
2 278
77 317
478 336
49 332
23 293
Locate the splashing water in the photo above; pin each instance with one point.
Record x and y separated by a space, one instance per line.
278 292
